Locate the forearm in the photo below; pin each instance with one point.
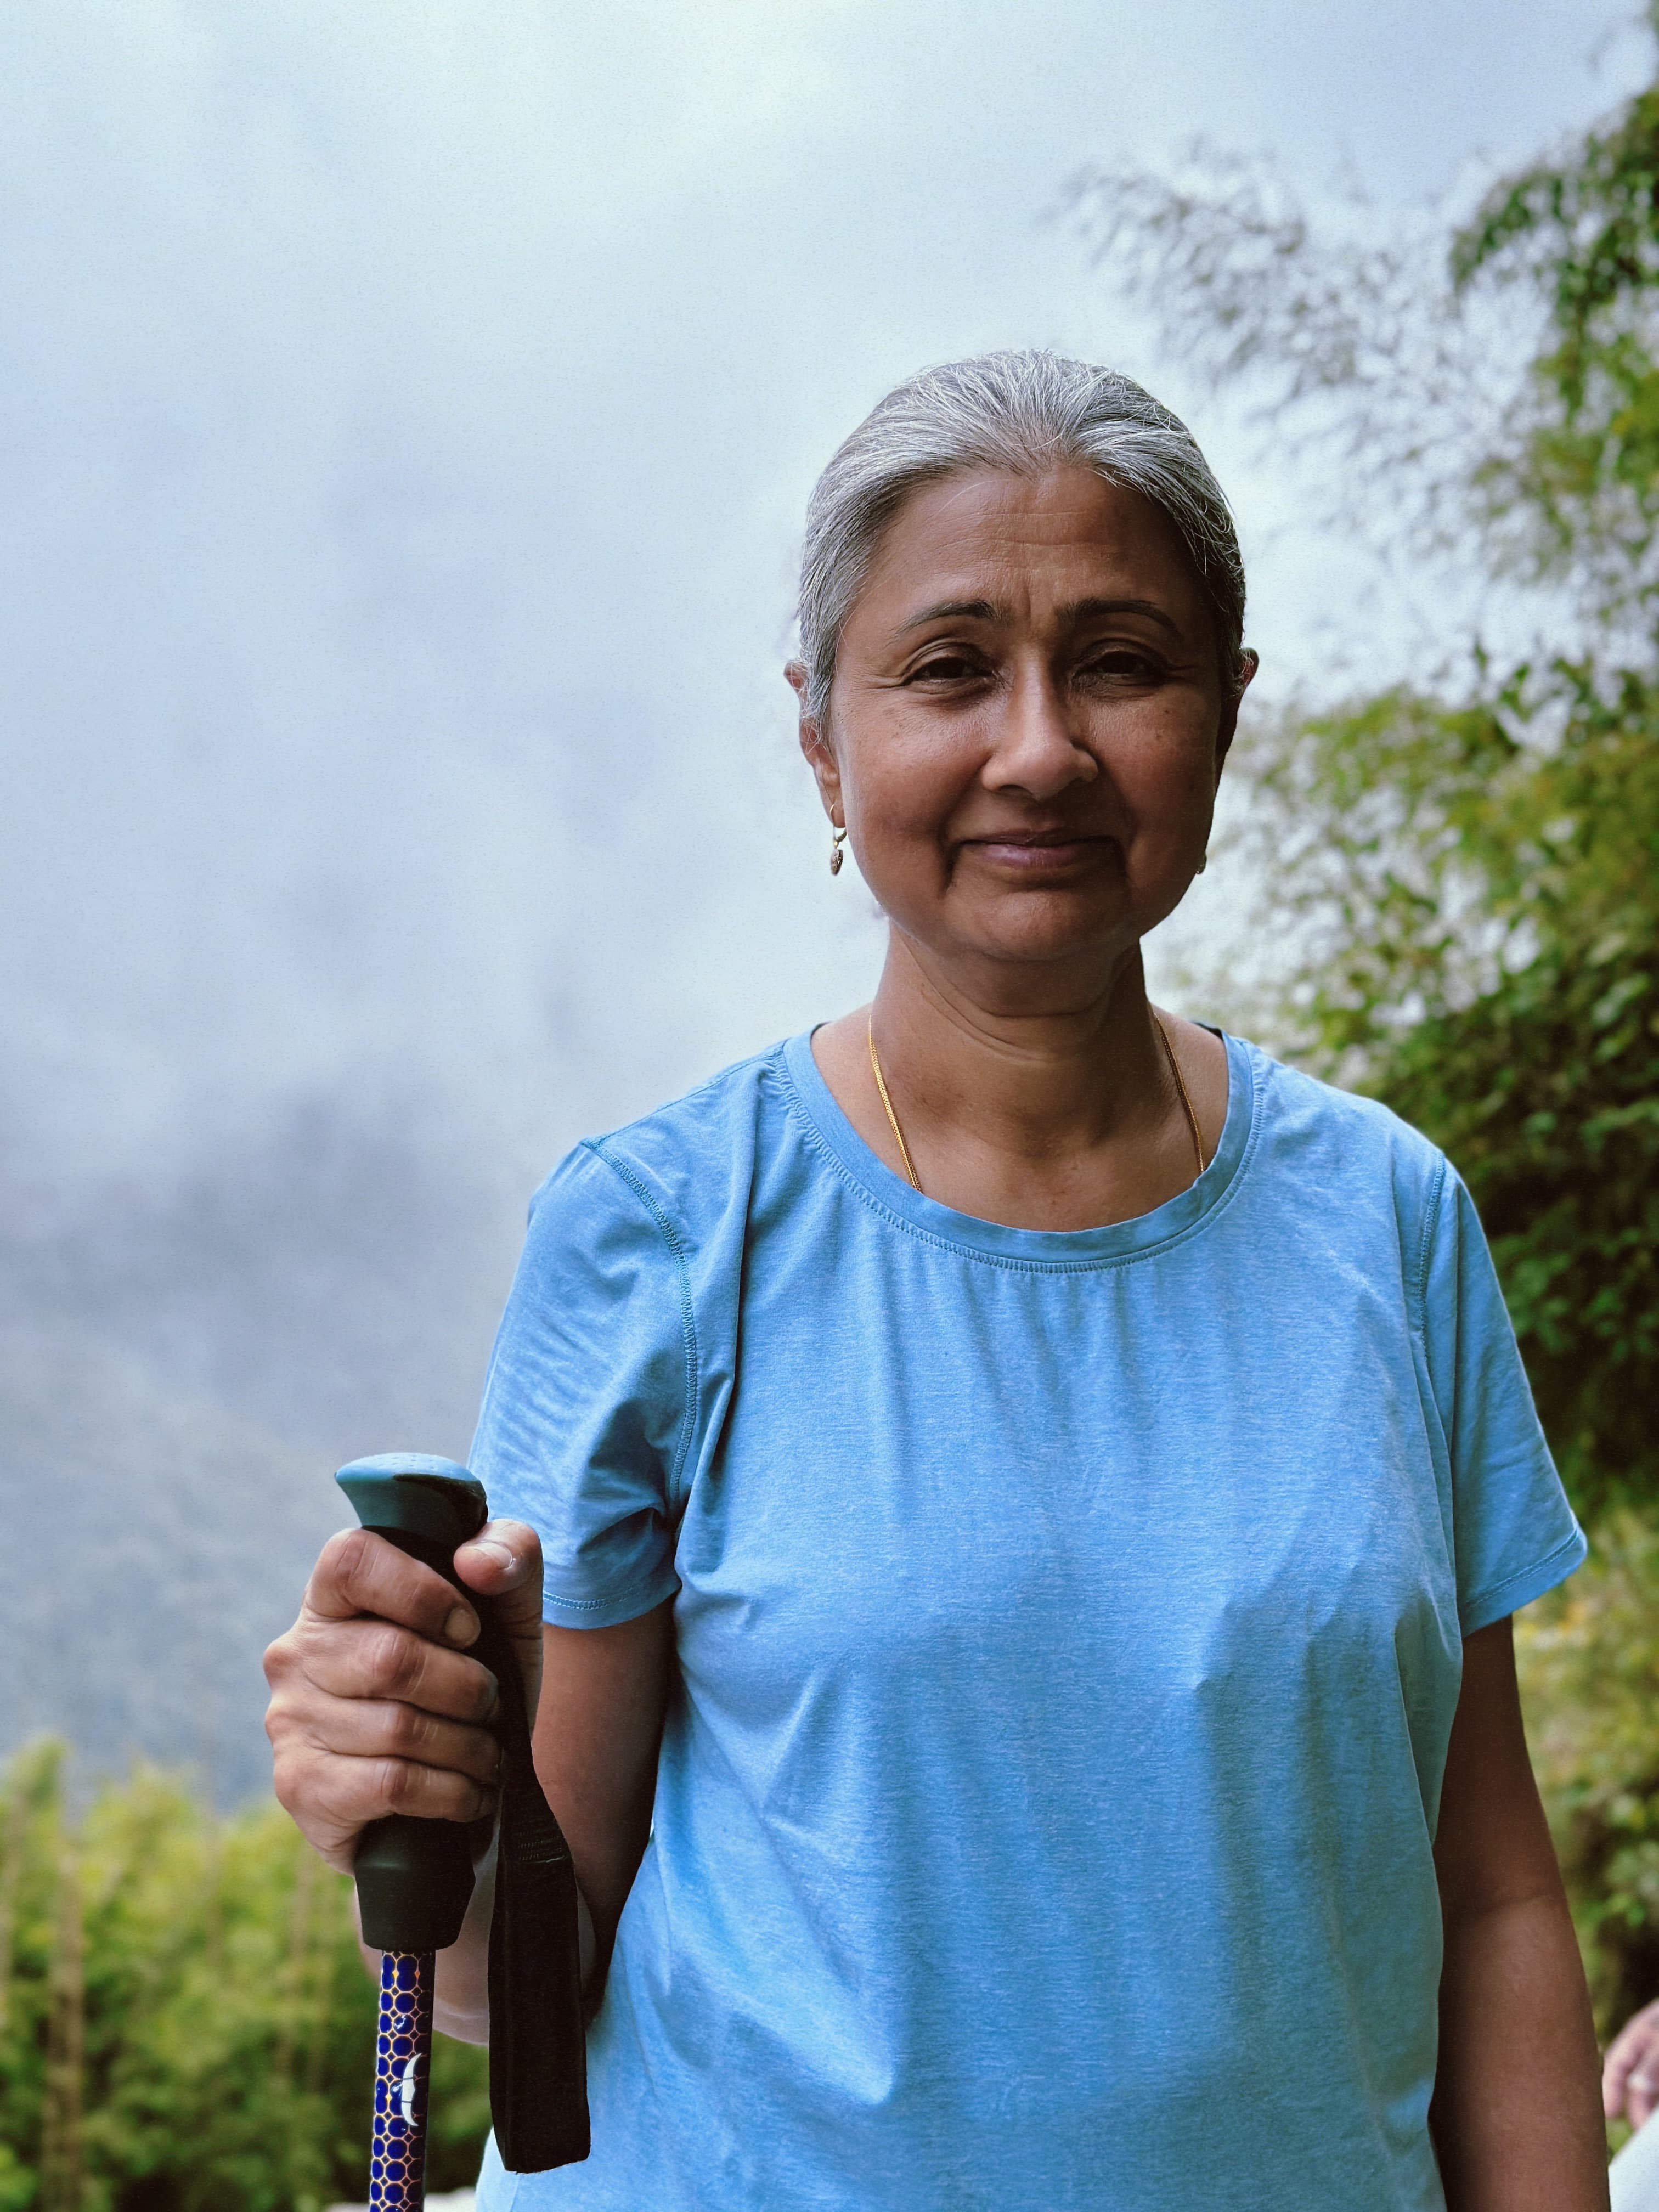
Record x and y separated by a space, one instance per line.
1517 2116
460 2002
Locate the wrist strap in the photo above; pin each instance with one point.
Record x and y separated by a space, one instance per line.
537 2037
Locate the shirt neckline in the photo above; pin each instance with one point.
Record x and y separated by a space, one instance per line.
889 1193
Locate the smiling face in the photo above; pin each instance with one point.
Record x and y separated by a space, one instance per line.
1026 726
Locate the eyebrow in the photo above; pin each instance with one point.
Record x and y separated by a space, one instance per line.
1079 611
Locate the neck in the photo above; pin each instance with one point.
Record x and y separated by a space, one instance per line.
1037 1086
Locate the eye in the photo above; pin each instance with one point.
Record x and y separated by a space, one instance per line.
950 666
1122 663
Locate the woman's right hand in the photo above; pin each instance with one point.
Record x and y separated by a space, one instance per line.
375 1705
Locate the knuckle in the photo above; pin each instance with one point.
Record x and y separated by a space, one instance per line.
317 1639
338 1564
409 1666
295 1780
347 1555
408 1730
521 1539
391 1660
282 1783
400 1784
284 1720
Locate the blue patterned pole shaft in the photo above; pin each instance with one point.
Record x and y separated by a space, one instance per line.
396 2165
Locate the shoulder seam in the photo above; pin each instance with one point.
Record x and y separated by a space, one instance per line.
658 1114
688 1316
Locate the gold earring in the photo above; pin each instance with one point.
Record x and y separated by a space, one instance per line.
837 838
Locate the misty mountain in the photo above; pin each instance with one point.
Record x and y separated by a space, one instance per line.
333 1280
154 1545
181 1368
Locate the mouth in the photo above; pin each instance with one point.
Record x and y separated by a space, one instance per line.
1040 853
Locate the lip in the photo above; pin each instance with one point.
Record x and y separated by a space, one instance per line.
1041 851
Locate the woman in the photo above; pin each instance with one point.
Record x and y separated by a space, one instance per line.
1025 1494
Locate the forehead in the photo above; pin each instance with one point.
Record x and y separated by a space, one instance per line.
1028 542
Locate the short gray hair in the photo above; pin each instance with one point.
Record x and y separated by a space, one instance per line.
1026 412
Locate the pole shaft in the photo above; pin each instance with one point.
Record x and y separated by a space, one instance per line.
397 2165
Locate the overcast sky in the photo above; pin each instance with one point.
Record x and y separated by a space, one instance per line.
406 412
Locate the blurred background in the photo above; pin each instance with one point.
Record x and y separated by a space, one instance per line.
406 415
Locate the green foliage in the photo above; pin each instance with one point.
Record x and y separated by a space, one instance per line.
1588 1660
1581 232
187 2020
1476 889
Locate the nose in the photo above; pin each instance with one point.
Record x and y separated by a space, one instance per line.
1036 749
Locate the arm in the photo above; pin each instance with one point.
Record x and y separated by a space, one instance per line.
603 1694
598 1726
1516 2119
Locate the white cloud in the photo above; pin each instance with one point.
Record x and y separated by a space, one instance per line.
405 411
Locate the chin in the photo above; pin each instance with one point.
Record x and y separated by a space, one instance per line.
1040 948
1049 926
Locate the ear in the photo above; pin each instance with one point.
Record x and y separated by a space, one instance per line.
1248 662
816 747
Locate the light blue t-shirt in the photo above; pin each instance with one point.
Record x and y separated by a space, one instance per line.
1069 1629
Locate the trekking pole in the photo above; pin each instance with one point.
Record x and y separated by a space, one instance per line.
415 1882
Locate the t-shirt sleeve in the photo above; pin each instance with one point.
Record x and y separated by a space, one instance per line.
1513 1532
588 1406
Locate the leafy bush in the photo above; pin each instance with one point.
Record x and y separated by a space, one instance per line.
1589 1659
184 2018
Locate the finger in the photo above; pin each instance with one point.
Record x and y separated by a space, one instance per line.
330 1798
366 1727
336 1798
360 1572
503 1562
372 1659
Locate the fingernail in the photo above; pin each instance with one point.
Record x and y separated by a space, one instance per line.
504 1553
462 1625
491 1709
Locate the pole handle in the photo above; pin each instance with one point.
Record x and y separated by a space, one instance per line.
414 1876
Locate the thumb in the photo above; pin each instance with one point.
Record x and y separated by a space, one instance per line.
503 1562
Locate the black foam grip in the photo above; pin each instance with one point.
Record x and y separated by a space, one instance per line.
414 1884
414 1877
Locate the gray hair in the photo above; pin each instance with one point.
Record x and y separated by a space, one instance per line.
1026 412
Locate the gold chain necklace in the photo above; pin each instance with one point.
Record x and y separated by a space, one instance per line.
904 1149
898 1133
